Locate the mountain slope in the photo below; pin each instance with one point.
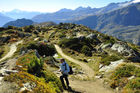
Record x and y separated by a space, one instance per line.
113 23
19 23
4 19
86 50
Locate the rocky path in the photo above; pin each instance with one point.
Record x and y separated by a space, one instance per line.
84 86
13 49
6 68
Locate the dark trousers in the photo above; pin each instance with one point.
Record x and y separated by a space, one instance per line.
66 79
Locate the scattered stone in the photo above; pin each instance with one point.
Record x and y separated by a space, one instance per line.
103 46
81 37
11 71
123 48
1 78
112 66
5 72
92 36
28 86
55 56
100 66
117 88
36 39
132 77
89 60
98 77
80 72
20 66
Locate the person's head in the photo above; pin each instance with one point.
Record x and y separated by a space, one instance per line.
62 60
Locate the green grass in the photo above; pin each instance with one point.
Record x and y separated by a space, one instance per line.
119 78
46 82
107 59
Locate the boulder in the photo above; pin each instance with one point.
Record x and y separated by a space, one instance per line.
123 48
92 36
22 35
81 37
103 46
132 77
112 66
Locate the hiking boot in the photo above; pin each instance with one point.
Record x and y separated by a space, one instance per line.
64 87
69 88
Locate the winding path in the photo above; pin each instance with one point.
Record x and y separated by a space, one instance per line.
13 49
87 69
84 86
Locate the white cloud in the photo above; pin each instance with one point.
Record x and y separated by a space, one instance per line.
136 1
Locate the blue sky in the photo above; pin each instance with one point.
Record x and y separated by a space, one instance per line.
51 5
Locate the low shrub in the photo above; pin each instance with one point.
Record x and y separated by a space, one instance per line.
86 50
43 49
38 73
82 45
137 72
23 77
134 84
120 78
124 71
107 59
35 66
51 78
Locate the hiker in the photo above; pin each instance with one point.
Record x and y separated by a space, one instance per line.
64 68
37 54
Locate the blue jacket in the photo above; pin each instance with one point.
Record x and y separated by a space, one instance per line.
64 67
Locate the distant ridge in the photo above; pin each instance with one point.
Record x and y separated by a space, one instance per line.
19 23
125 20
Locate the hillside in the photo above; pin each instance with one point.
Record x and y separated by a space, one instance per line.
122 23
112 63
19 23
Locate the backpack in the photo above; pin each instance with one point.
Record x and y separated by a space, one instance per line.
71 71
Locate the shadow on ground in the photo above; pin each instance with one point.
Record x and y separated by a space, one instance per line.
70 90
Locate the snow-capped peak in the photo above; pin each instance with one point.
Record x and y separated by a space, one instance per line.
124 4
136 1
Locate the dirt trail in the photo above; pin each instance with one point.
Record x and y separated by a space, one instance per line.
13 49
87 69
8 87
84 86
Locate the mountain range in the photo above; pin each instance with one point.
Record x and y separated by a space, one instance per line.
66 15
122 23
117 19
18 14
